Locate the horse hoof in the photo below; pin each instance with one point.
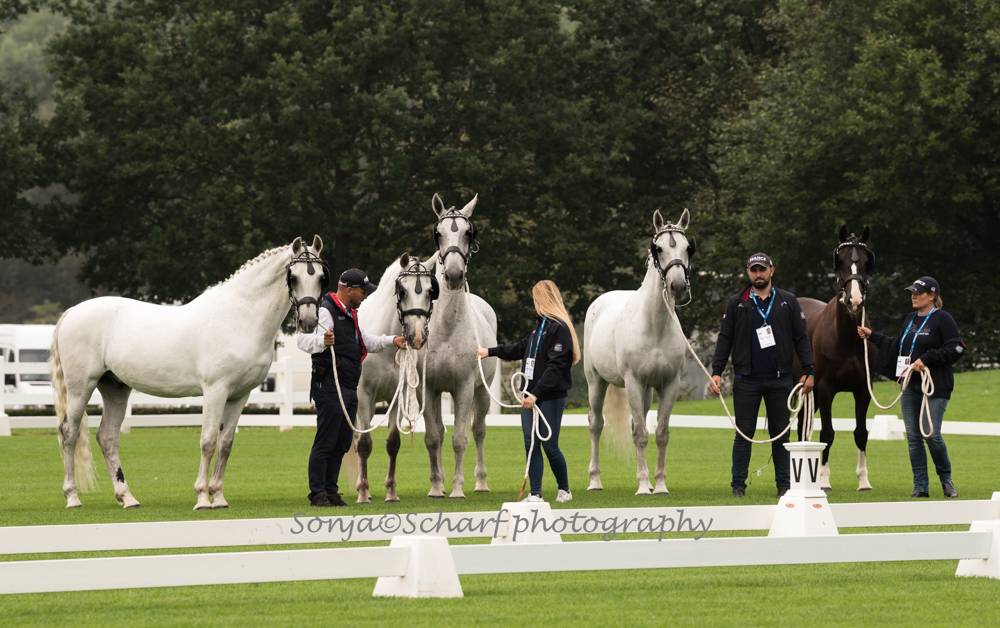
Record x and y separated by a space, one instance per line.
203 504
73 502
482 488
364 499
391 499
595 485
864 488
644 490
661 490
436 494
216 505
457 494
129 502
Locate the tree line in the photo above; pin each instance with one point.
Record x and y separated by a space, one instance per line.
187 136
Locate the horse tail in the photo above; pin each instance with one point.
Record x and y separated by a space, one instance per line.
617 425
83 461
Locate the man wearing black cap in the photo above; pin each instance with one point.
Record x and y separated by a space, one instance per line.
762 328
338 329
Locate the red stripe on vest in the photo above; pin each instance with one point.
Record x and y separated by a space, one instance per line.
353 313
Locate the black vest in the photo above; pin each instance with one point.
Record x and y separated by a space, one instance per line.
348 344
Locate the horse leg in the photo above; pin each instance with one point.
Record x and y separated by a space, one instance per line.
638 402
824 401
227 432
597 388
482 401
392 448
72 433
213 407
861 401
668 394
464 408
115 399
365 399
433 438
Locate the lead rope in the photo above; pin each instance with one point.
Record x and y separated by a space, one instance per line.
537 416
722 400
926 387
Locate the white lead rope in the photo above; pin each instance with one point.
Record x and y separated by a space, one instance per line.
722 400
926 387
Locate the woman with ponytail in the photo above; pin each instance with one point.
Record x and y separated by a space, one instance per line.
547 355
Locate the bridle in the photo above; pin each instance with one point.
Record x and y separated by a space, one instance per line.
862 278
418 270
309 258
473 239
654 251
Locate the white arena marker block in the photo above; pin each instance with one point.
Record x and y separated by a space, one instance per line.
803 510
527 522
983 567
4 424
886 427
430 571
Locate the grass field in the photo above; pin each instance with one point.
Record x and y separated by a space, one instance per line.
267 479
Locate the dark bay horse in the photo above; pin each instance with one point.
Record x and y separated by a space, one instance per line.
837 350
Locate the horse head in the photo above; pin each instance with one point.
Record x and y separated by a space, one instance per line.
456 240
416 291
671 250
853 265
307 276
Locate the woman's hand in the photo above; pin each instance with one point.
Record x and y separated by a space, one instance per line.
482 352
864 332
528 402
918 365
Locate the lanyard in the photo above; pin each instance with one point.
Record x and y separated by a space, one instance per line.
763 314
913 344
538 339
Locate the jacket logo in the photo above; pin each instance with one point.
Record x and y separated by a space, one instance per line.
558 346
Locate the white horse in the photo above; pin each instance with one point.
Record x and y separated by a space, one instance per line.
462 322
220 345
402 304
634 341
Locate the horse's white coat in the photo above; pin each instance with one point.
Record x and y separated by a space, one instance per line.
633 341
219 345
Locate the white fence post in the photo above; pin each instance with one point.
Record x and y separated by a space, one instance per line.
430 571
285 383
886 427
4 419
803 509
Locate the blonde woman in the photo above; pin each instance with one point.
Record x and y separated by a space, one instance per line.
546 355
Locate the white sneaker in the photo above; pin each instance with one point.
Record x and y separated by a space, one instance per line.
564 496
533 498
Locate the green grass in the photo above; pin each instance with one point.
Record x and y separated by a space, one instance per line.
267 479
974 399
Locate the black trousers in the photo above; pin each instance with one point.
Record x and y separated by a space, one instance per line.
747 395
333 435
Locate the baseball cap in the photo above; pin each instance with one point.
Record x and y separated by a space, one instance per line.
924 284
759 259
357 278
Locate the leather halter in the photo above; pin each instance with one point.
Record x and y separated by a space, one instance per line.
418 270
309 258
473 245
663 270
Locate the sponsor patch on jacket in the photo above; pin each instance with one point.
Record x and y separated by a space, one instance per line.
558 346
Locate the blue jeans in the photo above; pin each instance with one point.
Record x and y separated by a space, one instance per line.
553 411
939 451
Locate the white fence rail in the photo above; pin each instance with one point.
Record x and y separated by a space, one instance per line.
286 398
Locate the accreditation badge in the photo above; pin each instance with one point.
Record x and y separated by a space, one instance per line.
529 368
765 336
902 363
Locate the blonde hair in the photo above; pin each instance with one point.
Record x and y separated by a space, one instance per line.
549 302
938 302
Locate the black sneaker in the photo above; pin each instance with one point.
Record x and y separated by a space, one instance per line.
949 489
336 500
739 491
919 493
320 500
781 492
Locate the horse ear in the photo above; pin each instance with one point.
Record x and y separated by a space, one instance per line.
684 219
657 220
470 206
866 234
297 246
437 205
317 243
404 260
843 233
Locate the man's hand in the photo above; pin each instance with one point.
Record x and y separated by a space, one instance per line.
807 382
328 338
864 332
482 352
715 386
528 402
918 365
399 341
